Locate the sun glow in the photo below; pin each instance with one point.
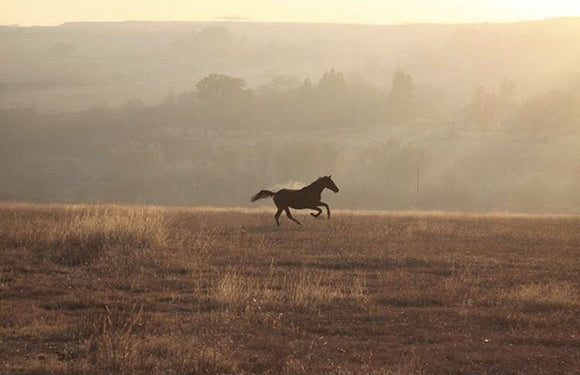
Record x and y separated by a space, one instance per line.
331 11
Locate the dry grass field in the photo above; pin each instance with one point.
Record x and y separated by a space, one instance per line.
145 290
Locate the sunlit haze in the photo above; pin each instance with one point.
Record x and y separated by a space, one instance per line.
34 12
456 105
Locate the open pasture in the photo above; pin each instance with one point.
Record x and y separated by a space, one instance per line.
150 290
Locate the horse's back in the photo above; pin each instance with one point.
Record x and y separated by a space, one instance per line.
282 193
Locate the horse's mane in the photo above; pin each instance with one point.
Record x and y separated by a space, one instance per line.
313 183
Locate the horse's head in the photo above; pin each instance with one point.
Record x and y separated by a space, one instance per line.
328 183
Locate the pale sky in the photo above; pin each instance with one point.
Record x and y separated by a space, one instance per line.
54 12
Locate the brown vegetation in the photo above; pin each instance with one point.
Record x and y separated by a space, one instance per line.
140 290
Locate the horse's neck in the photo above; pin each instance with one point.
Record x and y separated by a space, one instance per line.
316 187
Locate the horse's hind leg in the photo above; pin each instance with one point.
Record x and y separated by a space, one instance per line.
315 215
290 216
277 215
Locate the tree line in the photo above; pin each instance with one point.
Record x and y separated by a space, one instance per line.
211 145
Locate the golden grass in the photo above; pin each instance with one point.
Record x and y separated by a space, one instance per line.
306 289
114 345
77 235
152 290
544 293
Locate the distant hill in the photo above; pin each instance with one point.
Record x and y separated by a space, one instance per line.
76 65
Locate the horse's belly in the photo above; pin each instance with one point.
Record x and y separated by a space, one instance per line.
300 206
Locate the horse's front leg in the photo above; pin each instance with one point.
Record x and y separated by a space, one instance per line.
327 208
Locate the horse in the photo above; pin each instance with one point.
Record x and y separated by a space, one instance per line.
306 198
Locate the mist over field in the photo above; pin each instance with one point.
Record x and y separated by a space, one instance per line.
482 117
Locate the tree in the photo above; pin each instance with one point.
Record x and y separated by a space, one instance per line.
306 90
333 106
491 110
220 88
401 96
225 102
332 83
280 88
479 109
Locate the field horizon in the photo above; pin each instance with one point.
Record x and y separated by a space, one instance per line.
98 289
265 208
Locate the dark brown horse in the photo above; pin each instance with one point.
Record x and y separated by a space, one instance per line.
307 197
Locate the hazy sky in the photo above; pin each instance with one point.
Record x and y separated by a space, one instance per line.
53 12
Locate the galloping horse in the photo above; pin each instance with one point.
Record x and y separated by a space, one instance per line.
307 197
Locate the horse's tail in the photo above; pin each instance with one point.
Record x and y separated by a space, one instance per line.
261 195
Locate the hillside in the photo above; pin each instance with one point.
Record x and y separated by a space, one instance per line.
77 65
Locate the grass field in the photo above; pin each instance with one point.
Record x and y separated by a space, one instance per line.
138 290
